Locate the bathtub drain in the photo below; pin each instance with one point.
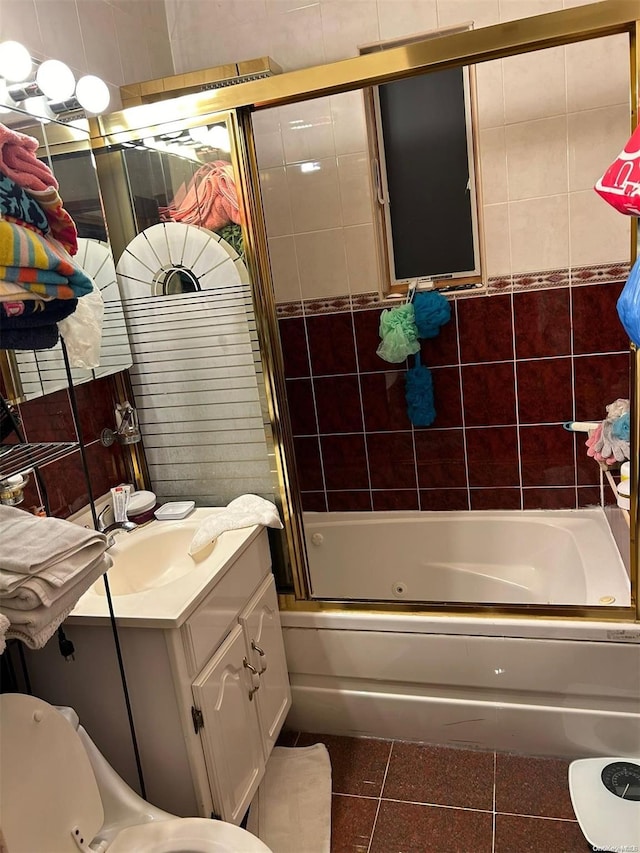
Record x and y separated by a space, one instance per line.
399 589
606 599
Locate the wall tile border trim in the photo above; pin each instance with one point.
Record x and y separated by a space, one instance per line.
598 274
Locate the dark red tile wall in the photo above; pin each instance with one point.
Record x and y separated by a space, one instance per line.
507 371
48 419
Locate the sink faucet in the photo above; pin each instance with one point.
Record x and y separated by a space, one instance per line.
114 527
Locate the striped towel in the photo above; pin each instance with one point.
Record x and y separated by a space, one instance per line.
39 264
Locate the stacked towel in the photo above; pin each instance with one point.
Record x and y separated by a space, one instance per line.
46 564
32 324
4 625
19 162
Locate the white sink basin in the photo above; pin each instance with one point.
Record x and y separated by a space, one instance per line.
151 557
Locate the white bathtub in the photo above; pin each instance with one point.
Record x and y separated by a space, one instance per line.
509 557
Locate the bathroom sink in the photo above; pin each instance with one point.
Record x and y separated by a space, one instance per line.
152 557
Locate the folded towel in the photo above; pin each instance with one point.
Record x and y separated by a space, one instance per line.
39 264
16 203
35 312
10 292
62 226
4 624
244 511
50 547
31 338
18 160
34 591
35 627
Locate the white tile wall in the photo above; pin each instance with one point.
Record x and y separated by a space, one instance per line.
122 41
550 124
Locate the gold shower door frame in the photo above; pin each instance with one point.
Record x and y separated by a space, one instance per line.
596 20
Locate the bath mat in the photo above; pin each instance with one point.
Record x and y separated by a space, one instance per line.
291 811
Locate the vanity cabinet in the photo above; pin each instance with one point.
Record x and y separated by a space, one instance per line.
208 695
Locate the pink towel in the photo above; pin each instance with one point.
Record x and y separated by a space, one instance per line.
210 200
19 162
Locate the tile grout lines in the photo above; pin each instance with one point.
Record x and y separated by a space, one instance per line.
384 779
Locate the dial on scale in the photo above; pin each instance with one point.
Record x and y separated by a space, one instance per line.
622 778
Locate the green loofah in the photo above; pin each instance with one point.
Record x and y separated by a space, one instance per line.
399 334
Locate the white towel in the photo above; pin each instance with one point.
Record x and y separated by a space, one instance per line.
4 624
50 547
244 511
34 627
35 590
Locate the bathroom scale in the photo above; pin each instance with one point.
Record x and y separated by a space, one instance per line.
605 793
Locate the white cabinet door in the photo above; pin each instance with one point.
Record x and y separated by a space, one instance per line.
231 735
263 632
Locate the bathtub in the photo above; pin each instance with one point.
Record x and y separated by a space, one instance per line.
511 557
540 686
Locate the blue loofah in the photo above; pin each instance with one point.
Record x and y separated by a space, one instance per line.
419 394
431 310
621 427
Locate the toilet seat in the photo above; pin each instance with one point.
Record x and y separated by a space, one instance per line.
50 800
186 835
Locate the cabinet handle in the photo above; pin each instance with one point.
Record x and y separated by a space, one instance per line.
251 668
261 653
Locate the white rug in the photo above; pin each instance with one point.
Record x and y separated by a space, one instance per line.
291 812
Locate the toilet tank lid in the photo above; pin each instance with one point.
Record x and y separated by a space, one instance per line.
45 772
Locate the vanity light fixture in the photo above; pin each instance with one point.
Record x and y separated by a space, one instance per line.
53 92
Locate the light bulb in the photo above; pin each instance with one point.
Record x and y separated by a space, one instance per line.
199 134
15 61
93 93
219 138
39 107
56 80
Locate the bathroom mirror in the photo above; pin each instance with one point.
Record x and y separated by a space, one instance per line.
173 210
67 151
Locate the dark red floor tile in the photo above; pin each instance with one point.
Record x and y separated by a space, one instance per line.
542 323
516 834
331 343
485 329
357 764
352 820
533 786
287 738
410 828
440 776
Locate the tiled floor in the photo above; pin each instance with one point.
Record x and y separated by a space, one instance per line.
397 797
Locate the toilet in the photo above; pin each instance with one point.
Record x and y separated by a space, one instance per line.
59 794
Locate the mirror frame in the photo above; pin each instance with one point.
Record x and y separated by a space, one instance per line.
581 23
